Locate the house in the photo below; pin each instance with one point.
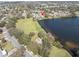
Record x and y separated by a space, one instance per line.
3 52
38 40
24 14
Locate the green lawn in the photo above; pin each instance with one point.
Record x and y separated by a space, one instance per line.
8 46
58 52
28 25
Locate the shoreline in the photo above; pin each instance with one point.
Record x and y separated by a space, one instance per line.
46 30
68 47
66 17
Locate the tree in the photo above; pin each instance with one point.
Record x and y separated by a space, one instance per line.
24 39
10 24
41 34
17 33
29 15
0 46
3 40
33 46
14 19
2 24
44 50
1 31
31 34
57 44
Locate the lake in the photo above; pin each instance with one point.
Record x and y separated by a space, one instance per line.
67 29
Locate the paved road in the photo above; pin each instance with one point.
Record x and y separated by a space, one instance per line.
14 41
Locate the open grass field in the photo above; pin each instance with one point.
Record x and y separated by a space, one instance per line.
28 25
58 52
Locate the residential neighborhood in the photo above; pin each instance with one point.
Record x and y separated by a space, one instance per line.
21 35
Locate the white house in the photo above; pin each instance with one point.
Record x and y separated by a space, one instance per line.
38 40
3 53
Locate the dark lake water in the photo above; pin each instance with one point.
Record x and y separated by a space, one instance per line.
66 29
